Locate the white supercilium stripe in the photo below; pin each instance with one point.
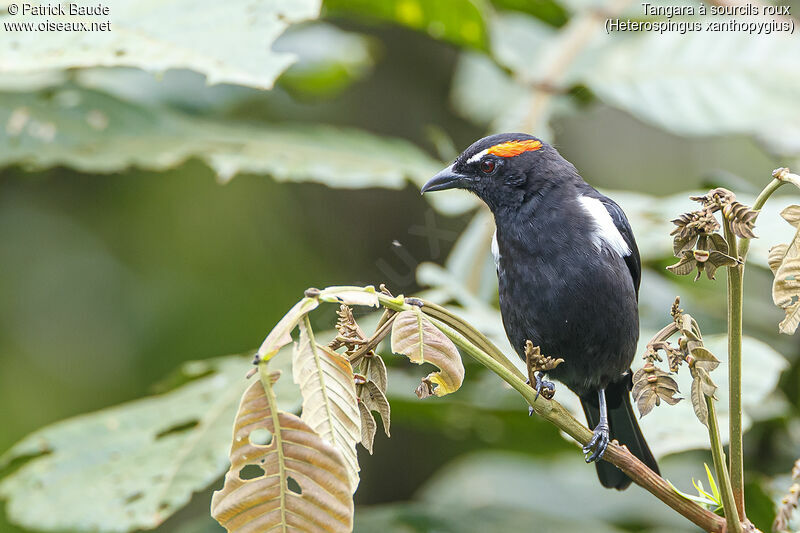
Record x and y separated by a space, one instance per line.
477 157
606 229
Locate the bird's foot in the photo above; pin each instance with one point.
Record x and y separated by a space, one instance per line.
543 387
597 446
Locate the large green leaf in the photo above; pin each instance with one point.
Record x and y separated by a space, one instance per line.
429 517
94 132
701 83
157 36
328 59
130 467
485 93
458 21
553 488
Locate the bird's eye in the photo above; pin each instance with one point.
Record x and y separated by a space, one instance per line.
487 166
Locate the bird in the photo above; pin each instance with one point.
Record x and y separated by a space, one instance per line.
568 273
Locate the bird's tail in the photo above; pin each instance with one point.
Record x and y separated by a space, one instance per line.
624 428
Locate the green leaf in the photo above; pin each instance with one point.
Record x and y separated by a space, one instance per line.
240 52
546 486
427 517
700 83
457 21
416 337
523 45
330 406
131 466
259 494
328 59
94 132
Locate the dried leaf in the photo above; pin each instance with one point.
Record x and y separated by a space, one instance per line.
650 386
685 266
792 215
699 402
742 219
351 295
376 372
416 337
375 400
716 260
281 334
368 427
295 452
330 405
351 336
701 357
785 262
715 198
776 255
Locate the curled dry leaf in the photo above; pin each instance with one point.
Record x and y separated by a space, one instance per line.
690 227
281 334
715 199
416 337
742 219
368 427
330 405
282 448
375 400
376 372
784 260
703 260
650 386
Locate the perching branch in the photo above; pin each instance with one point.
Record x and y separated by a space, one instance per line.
556 414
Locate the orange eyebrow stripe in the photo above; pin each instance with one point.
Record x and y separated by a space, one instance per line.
512 148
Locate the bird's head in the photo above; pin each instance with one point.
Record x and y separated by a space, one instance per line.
504 170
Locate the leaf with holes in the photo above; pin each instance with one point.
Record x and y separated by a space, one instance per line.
784 260
281 334
241 52
296 481
136 463
94 132
330 405
416 337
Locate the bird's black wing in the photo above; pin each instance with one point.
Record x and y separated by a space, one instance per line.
621 222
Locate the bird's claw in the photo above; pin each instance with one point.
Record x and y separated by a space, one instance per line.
597 446
543 386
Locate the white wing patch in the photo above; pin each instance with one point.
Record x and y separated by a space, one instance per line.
495 250
606 231
477 157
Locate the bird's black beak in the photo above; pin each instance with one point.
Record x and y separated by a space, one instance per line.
446 179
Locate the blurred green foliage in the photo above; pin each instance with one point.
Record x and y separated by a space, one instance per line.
122 255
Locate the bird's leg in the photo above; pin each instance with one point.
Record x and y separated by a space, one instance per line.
597 446
542 386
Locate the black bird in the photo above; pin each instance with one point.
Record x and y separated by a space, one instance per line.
569 271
